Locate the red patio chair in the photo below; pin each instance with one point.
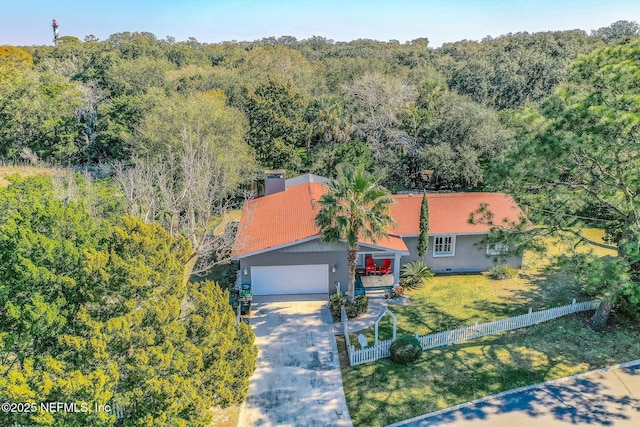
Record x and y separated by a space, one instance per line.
386 267
370 266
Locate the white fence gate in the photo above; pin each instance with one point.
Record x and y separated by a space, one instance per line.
381 350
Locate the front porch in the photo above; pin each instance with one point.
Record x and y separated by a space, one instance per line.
377 268
377 261
373 283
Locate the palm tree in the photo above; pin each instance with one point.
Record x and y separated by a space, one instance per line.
355 207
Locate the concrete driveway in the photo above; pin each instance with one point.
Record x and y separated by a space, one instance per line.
297 381
599 398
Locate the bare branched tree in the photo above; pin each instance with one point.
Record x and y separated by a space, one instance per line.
30 157
379 101
188 192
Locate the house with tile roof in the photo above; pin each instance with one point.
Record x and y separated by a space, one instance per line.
280 250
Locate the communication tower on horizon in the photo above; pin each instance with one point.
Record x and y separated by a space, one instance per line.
56 32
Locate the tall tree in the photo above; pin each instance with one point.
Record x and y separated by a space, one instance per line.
582 159
191 161
355 207
97 312
423 237
459 140
38 111
378 102
618 30
188 192
511 70
14 57
325 157
277 129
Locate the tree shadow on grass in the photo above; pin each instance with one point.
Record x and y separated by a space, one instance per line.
550 287
430 319
382 392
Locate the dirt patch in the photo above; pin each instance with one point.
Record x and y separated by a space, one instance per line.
29 171
225 417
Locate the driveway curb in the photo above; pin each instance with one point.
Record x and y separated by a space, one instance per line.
514 391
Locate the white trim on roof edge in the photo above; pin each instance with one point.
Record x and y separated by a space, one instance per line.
385 248
475 233
273 248
308 239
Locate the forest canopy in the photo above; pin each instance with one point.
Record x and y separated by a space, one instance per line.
302 105
96 302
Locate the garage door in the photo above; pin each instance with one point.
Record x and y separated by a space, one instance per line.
290 279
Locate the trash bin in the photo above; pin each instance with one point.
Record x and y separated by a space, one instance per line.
245 308
245 290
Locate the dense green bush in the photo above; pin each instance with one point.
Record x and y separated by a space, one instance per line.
353 309
162 341
405 350
335 302
627 311
502 272
357 307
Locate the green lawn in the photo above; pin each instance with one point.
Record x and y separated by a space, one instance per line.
382 392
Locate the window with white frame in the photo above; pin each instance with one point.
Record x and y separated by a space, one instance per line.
497 249
444 246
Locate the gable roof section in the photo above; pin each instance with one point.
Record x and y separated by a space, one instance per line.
391 242
449 212
278 220
306 178
288 217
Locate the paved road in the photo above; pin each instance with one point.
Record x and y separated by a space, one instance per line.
297 381
610 398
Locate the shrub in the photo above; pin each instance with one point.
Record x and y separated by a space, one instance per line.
502 272
414 273
405 350
335 302
353 309
357 307
398 291
628 311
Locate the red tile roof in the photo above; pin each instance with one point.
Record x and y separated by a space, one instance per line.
449 212
392 241
278 219
285 218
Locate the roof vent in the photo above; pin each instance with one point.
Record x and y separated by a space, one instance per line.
274 181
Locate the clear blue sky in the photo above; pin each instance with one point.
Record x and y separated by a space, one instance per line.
28 22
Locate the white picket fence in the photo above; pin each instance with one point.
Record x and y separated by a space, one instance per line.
381 349
371 353
345 324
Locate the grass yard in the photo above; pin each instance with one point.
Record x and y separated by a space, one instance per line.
382 392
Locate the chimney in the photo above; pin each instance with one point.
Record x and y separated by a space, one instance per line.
274 181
